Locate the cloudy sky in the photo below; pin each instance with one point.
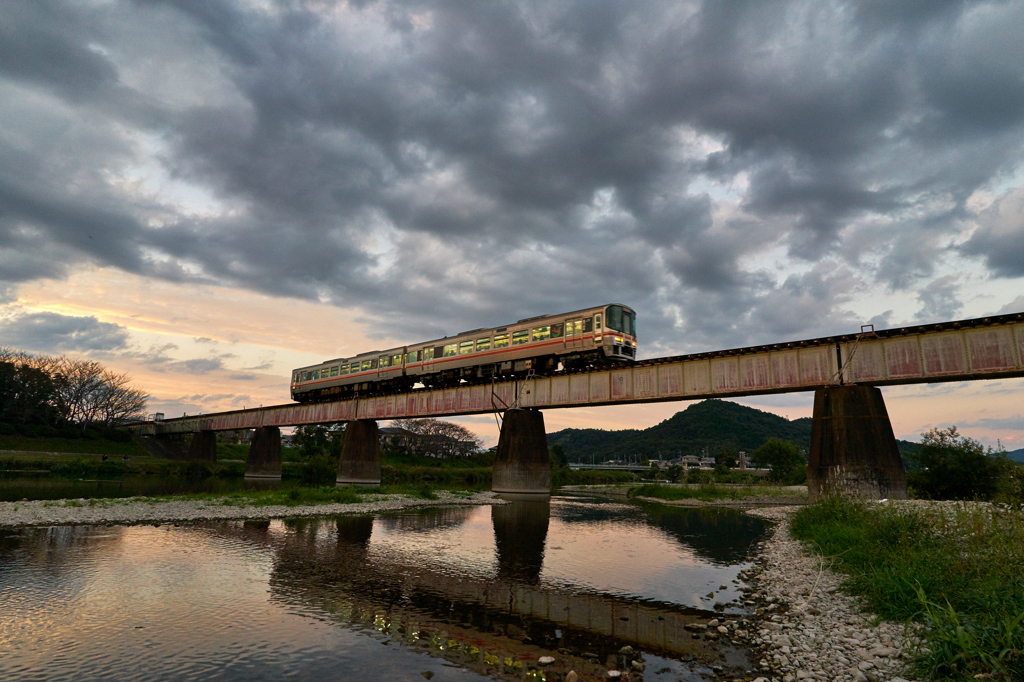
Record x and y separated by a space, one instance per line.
207 193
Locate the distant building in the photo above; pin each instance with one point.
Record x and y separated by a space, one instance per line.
742 461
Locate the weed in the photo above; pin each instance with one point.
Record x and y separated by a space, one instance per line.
956 570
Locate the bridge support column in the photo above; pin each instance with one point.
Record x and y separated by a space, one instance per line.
359 463
203 447
521 464
264 459
853 450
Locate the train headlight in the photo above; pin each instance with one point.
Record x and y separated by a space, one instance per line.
618 339
634 344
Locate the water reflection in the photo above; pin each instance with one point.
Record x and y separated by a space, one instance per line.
486 589
520 531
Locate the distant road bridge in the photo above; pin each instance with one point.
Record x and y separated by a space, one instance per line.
577 466
849 415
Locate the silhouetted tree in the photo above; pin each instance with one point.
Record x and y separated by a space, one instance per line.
784 458
955 467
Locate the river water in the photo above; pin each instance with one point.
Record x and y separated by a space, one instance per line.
462 593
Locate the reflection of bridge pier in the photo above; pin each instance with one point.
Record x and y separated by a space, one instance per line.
520 532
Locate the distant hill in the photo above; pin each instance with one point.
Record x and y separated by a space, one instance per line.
1016 455
717 425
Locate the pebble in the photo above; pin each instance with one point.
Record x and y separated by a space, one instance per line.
815 632
145 510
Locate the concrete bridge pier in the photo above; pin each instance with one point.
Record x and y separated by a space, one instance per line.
521 464
264 459
203 447
359 463
853 449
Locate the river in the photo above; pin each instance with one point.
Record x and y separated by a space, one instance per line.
444 594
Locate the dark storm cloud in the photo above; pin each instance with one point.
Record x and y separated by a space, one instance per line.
1000 237
55 333
446 164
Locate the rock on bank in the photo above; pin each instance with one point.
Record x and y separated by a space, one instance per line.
148 510
810 630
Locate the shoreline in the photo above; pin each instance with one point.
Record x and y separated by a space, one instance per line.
145 510
809 630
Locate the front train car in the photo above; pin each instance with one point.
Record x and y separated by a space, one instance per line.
619 343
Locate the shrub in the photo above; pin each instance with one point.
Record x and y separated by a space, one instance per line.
320 470
69 432
955 467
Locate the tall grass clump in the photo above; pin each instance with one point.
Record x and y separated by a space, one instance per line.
956 570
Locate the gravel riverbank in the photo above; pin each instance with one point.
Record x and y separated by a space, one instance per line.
149 510
809 630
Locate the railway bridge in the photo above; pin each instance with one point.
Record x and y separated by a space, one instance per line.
853 449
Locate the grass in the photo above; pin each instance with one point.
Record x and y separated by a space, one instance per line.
92 465
708 492
956 570
72 445
290 497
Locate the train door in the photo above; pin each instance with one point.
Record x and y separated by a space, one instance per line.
598 329
574 333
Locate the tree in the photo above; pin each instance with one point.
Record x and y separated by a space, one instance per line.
79 391
316 439
558 457
435 438
955 467
784 458
26 395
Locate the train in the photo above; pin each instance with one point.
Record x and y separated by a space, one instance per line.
541 345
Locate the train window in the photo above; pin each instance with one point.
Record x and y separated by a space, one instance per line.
373 363
588 325
367 364
316 374
483 344
541 333
396 360
520 337
569 329
501 341
428 353
465 348
450 350
556 331
411 356
344 370
617 321
334 371
597 322
385 361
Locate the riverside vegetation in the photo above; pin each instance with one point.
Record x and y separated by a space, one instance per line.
954 567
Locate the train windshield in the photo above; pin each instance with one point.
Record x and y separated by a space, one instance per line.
621 320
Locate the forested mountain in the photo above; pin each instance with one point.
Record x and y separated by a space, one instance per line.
718 425
1016 455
